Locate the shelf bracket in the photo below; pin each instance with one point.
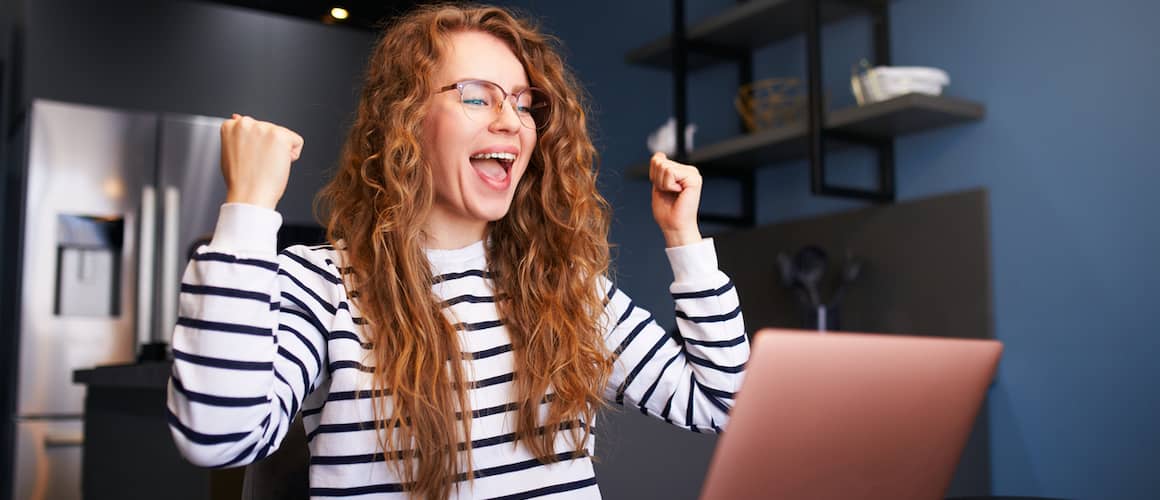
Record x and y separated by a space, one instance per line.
680 73
817 133
747 183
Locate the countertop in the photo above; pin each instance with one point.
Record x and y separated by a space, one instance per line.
147 375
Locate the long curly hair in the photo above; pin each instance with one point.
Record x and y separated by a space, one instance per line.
547 256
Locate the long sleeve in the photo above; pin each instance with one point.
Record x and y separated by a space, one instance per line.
688 379
250 340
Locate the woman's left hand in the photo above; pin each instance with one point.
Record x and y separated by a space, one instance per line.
676 194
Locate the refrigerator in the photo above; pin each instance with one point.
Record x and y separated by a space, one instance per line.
112 202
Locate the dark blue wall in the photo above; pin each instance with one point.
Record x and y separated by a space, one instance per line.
1067 151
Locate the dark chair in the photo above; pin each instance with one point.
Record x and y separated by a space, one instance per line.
285 474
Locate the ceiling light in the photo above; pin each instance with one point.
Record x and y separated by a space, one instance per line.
339 13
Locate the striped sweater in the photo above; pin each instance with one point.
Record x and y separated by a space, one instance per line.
262 336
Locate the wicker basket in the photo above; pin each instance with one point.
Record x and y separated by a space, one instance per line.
771 103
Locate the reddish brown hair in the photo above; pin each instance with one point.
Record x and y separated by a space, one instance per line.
548 255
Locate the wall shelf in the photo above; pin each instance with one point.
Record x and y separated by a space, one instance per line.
732 36
739 29
896 117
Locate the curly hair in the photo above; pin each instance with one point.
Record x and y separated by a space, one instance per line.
548 255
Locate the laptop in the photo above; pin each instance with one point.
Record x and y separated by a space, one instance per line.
850 416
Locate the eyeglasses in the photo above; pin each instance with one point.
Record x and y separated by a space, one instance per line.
482 101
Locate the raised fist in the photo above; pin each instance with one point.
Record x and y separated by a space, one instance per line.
676 196
256 159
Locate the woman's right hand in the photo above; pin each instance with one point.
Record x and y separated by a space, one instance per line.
256 159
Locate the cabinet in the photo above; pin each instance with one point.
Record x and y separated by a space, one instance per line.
128 451
732 36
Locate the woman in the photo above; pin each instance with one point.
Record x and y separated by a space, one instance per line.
468 273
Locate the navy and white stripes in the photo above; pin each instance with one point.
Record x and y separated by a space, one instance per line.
262 337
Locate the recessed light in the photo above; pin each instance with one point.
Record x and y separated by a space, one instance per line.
339 13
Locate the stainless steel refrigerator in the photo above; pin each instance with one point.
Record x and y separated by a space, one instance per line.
112 202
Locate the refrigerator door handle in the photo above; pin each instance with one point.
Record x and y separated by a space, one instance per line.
145 265
63 440
169 254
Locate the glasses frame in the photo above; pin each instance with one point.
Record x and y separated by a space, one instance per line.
541 107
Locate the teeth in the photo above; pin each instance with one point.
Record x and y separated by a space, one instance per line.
494 156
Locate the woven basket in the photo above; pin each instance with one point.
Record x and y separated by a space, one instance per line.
771 103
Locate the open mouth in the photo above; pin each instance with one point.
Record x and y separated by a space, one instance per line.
493 166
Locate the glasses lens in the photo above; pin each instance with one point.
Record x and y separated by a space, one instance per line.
479 100
533 107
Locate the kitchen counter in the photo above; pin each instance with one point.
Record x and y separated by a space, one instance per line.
151 375
128 449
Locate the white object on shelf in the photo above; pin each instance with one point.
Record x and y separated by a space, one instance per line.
664 139
886 82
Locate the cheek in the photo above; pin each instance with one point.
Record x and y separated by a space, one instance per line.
528 140
446 126
442 132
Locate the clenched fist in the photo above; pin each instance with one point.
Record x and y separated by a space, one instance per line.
676 195
256 159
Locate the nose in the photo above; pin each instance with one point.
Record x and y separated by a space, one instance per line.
507 120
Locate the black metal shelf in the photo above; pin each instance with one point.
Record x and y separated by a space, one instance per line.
742 28
732 37
896 117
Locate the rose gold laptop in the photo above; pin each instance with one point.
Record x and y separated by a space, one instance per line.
850 416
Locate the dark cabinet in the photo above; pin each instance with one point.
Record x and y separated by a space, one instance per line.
128 451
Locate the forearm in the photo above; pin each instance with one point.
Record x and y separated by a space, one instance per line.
682 237
232 391
689 382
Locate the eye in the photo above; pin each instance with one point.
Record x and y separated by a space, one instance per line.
475 101
530 101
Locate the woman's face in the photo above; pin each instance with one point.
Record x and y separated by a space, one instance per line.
477 162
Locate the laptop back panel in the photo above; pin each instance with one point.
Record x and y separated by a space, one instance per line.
851 416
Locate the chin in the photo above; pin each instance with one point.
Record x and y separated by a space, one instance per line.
491 208
493 214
